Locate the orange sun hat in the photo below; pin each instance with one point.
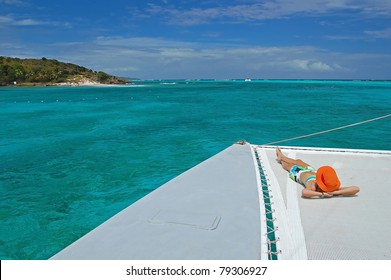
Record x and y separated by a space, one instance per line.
327 179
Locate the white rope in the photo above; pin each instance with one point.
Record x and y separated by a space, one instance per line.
329 130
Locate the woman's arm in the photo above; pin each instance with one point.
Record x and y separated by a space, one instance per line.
307 192
346 191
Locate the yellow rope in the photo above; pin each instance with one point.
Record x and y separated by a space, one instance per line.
329 130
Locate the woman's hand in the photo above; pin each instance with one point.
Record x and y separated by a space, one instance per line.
327 194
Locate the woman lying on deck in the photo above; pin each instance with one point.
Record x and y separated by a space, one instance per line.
323 182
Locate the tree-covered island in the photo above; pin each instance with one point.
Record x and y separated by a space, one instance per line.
30 72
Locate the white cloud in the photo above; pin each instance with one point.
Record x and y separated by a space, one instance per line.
154 58
28 22
376 7
8 20
137 42
366 35
384 33
150 58
309 65
5 20
13 2
267 10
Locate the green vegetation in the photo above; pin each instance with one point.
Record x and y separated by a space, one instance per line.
49 72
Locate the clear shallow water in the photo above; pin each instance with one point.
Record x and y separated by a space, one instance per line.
73 157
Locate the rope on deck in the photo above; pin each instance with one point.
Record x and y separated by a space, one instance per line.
329 130
271 239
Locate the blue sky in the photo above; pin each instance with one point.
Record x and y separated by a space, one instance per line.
190 39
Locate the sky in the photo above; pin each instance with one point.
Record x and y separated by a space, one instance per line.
195 39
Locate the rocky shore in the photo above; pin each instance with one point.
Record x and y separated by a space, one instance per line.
85 81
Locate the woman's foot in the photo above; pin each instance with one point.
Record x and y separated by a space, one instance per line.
279 155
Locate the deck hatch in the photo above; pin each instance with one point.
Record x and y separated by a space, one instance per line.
202 221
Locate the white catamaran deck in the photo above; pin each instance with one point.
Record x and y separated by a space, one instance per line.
240 204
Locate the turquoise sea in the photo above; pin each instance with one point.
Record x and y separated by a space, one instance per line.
72 157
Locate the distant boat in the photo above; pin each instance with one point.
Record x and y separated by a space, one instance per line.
247 80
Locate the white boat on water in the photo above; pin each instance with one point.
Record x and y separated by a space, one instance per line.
240 204
247 80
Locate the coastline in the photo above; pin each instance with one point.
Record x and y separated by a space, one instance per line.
50 72
84 82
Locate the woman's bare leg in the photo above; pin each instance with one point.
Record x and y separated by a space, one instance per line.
288 162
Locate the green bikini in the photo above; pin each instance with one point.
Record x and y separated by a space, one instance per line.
297 170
